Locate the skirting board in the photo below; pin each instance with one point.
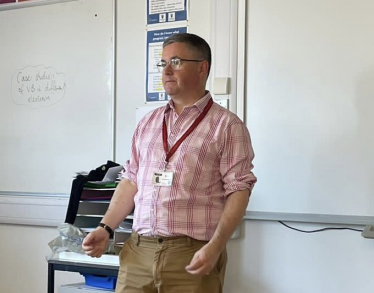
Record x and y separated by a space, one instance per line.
50 210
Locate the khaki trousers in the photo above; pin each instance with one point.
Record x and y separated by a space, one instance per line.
157 265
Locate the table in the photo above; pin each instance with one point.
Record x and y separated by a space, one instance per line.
79 267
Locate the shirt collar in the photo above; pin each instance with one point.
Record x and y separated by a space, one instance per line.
200 104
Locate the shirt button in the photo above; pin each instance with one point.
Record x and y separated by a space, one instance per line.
160 240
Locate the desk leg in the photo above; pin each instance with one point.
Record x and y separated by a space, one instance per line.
51 278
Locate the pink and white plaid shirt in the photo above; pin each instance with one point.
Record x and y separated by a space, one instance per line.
214 161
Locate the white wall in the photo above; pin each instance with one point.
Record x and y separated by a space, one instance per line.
268 258
274 259
23 265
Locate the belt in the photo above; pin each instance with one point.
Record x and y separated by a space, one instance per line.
161 239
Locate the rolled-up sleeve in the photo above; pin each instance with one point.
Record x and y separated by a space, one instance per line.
236 161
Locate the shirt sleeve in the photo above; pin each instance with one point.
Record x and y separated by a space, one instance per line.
236 161
132 165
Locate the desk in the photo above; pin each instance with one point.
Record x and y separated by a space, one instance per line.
79 267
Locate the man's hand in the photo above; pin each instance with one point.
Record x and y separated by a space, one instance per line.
96 242
204 260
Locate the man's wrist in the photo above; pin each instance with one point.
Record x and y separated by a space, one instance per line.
107 228
218 245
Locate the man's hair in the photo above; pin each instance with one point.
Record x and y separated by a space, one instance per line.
196 43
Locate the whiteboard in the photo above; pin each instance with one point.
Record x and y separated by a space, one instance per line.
310 105
56 76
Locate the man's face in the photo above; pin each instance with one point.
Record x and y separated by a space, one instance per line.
180 83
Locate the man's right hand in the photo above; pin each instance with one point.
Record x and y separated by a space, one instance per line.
96 242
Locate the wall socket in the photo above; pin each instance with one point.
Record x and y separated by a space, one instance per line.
368 231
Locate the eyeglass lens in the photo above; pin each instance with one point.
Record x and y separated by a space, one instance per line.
174 63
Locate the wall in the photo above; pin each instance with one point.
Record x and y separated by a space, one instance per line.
23 266
274 259
268 258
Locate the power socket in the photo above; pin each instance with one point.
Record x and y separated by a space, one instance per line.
368 231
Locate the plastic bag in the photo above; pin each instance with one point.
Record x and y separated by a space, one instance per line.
70 239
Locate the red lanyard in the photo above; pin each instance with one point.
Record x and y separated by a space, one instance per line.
187 133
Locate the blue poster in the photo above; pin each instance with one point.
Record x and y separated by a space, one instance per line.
155 89
166 11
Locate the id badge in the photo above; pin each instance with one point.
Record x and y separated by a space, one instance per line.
162 178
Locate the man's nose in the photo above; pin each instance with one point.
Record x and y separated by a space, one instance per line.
168 70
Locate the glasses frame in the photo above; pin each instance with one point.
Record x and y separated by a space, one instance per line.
162 64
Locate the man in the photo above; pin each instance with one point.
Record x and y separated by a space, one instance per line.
189 179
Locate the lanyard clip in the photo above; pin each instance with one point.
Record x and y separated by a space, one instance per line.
165 165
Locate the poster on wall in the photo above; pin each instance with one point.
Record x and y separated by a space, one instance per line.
165 11
155 38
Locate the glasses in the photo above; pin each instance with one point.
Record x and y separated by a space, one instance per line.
175 63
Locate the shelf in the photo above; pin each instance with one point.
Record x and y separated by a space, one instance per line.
91 211
92 207
129 217
99 189
95 201
90 215
105 259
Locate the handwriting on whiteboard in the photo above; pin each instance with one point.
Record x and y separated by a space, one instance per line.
38 86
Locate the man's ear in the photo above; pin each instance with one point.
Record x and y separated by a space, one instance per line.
204 67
